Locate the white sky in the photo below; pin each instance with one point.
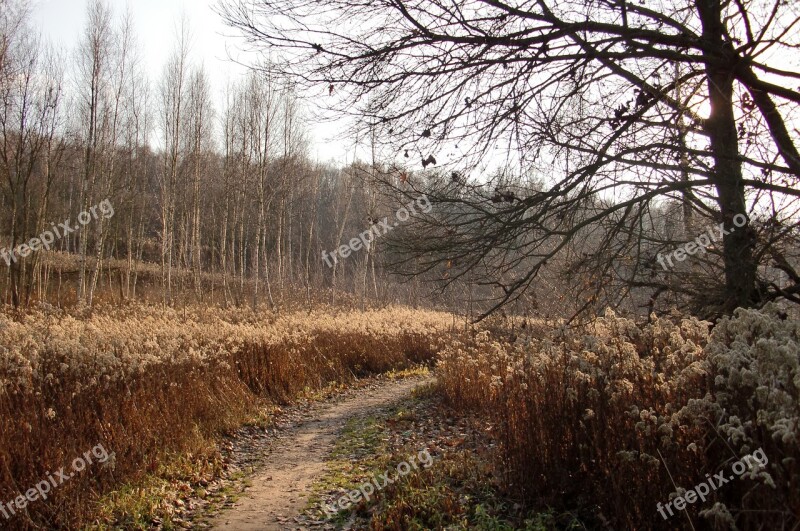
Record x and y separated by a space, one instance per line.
62 22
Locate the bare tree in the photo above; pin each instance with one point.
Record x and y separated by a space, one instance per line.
581 93
137 130
94 59
200 118
229 173
263 111
121 57
173 95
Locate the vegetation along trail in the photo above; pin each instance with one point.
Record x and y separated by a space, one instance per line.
298 457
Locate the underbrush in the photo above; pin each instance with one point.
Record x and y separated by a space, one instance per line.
454 486
148 383
619 418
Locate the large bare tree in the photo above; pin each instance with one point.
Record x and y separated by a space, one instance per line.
616 108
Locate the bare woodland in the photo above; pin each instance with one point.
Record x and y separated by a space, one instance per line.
628 128
565 147
212 203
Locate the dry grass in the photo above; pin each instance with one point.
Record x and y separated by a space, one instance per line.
585 416
147 382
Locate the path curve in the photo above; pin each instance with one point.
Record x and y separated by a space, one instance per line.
297 458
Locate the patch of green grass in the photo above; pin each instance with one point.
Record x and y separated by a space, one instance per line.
157 496
356 458
262 417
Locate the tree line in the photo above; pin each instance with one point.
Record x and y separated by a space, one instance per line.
214 199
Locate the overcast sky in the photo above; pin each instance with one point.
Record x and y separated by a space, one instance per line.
62 22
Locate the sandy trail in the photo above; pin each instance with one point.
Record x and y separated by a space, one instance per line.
297 458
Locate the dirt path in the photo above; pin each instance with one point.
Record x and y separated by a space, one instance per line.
297 458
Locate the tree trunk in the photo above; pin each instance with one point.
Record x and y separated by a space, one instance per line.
738 245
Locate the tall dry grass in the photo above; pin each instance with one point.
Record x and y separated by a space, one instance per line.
612 419
146 381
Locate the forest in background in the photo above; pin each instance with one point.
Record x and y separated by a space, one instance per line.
210 204
223 203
